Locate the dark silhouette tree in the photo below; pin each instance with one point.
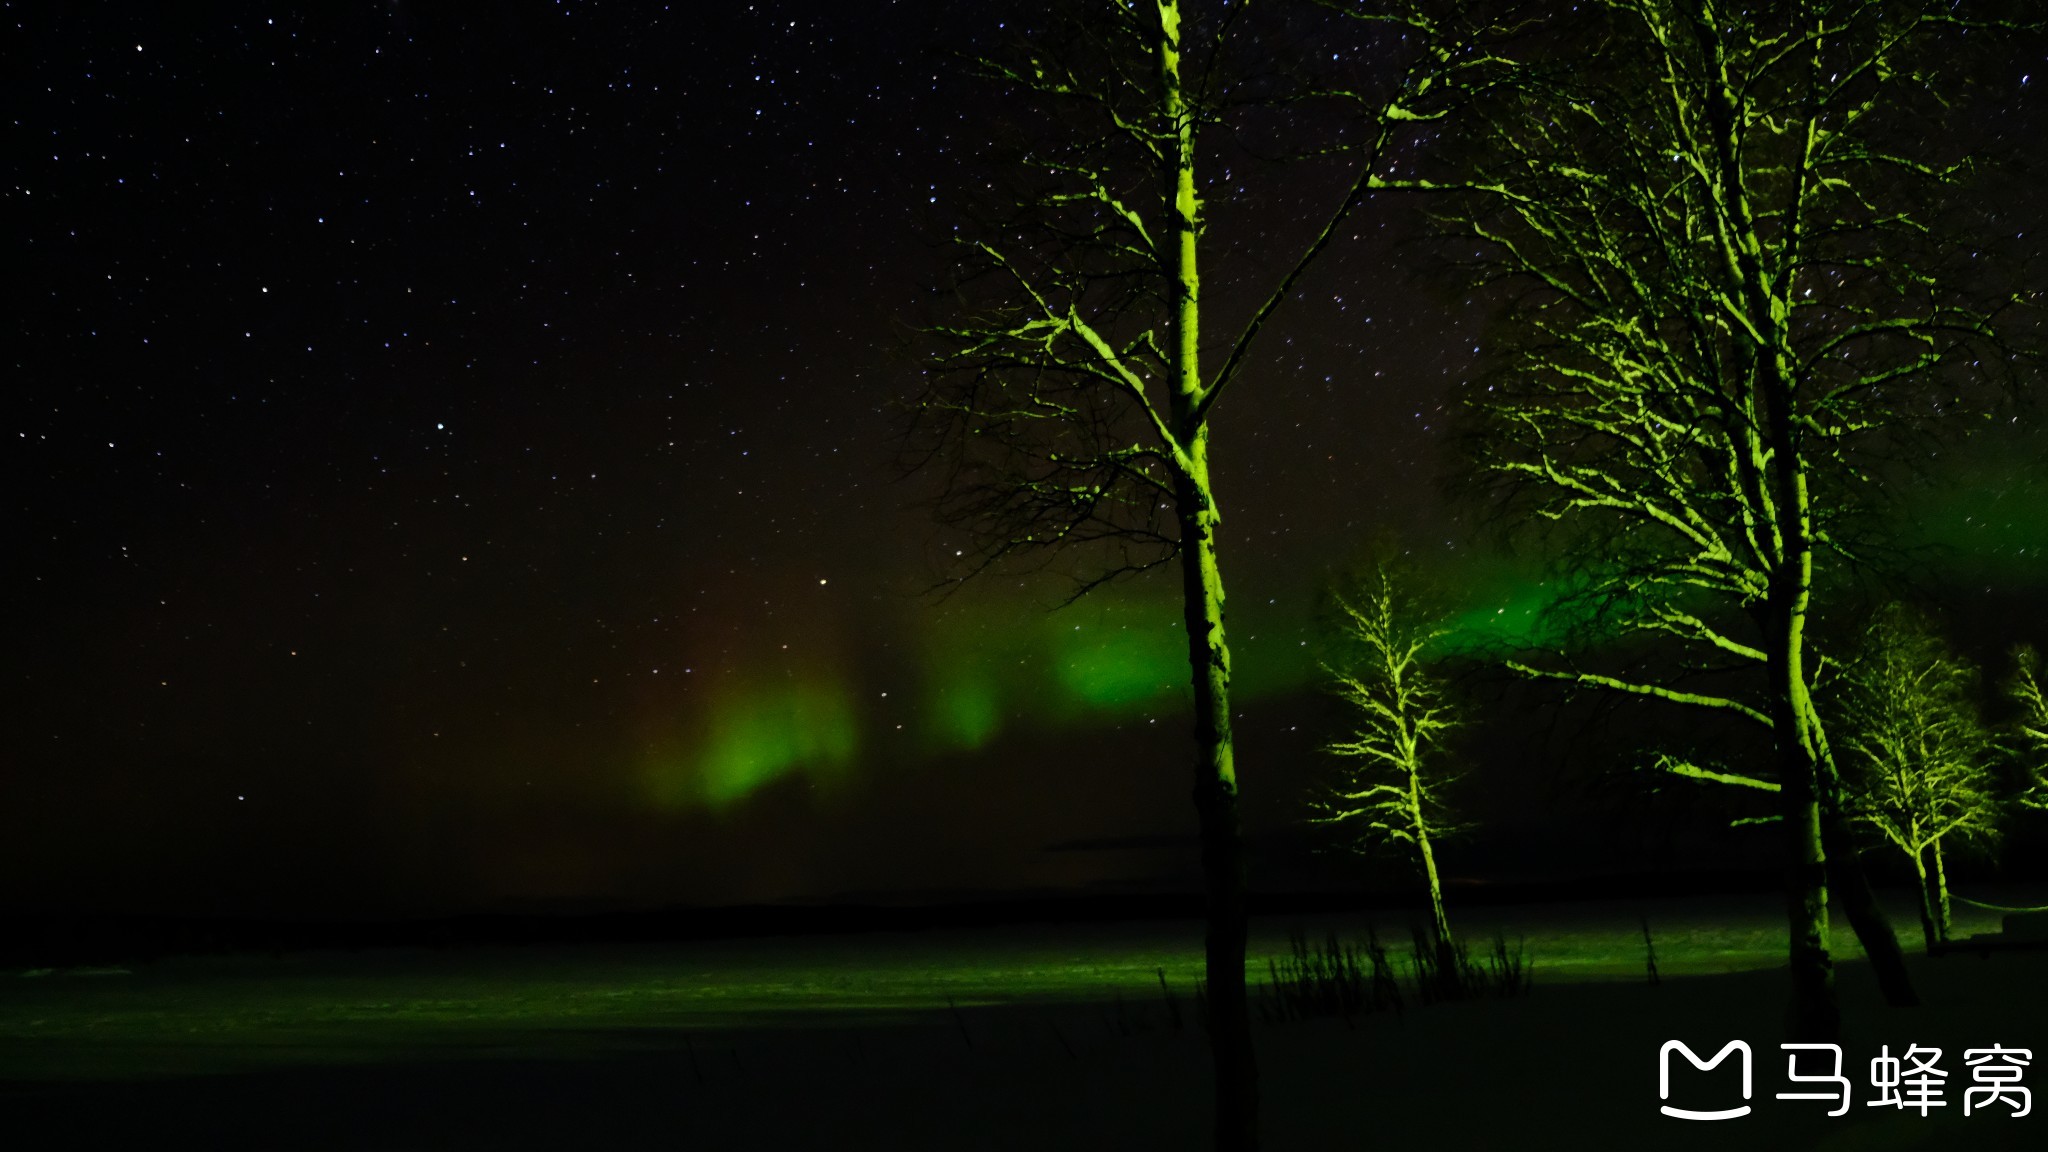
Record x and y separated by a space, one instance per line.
1730 230
1080 379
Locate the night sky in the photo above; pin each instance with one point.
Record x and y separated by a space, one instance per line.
452 465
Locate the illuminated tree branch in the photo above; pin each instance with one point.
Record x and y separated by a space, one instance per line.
1658 691
1678 767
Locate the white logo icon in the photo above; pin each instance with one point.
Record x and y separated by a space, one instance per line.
1664 1079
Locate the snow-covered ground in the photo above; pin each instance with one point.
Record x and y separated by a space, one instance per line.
1055 1037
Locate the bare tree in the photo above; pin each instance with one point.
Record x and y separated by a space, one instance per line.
2029 729
1073 403
1725 228
1391 789
1916 754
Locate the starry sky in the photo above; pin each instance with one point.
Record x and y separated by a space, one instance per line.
452 466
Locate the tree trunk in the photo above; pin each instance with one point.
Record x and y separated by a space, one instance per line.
1924 885
1813 1015
1230 1033
1849 882
1230 1025
1941 907
1436 888
1448 969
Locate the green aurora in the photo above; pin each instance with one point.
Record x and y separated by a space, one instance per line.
981 672
986 668
1985 515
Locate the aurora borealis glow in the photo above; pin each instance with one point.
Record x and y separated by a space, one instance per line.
981 672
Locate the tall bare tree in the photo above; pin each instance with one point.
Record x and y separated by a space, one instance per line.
1915 752
1074 400
1726 227
1391 787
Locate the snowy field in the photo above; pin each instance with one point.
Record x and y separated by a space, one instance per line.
1056 1036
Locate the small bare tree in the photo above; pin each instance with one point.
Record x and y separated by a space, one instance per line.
1915 752
1391 785
2029 735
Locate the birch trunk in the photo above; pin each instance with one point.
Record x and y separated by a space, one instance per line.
1215 794
1215 785
1941 905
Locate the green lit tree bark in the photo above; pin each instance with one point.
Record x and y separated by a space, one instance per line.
1719 217
1072 405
